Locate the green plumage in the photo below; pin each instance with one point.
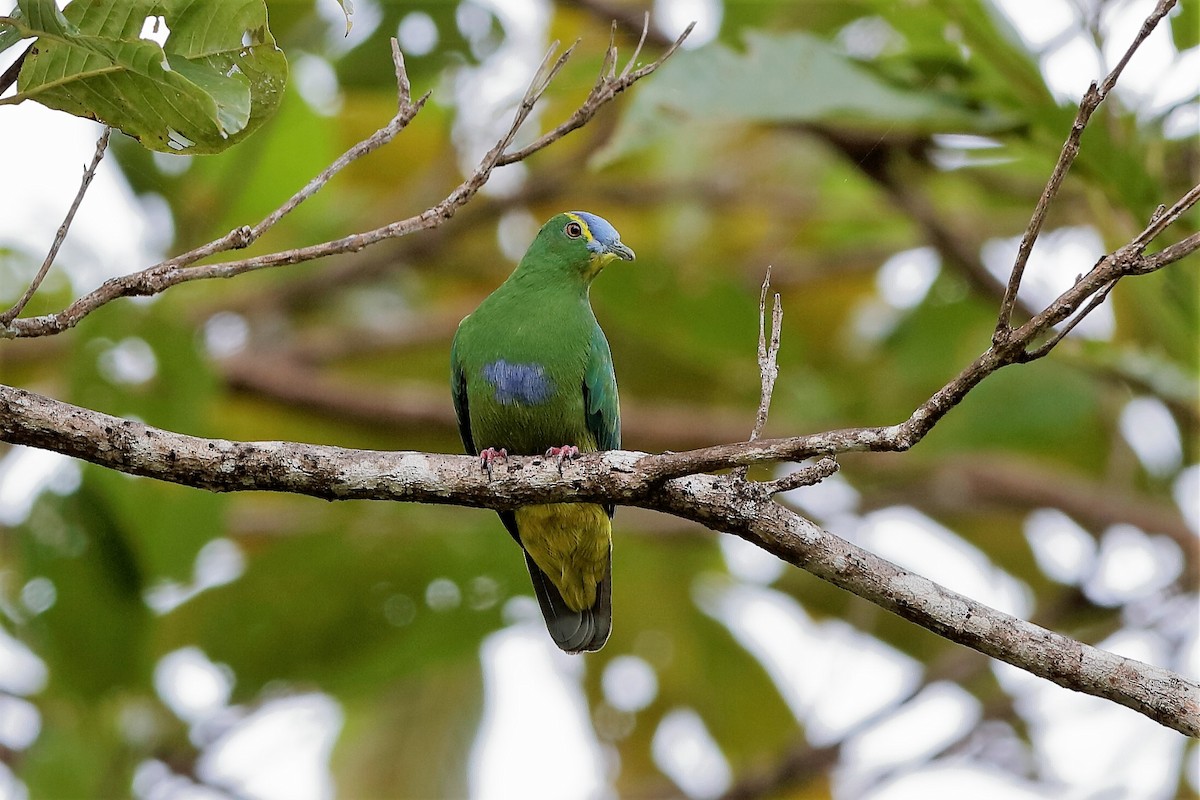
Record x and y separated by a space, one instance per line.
530 371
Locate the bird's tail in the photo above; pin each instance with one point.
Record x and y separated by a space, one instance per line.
574 631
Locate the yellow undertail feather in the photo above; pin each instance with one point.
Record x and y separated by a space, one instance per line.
569 542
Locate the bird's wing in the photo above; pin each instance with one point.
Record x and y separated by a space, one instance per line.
600 403
601 406
458 387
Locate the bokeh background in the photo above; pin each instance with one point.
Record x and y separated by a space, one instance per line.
884 157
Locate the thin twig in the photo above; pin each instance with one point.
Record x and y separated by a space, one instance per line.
1168 255
608 64
768 369
89 172
1069 325
803 476
403 87
768 353
605 90
244 236
1092 98
1164 217
637 51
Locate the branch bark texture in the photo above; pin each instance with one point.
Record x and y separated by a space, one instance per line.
722 502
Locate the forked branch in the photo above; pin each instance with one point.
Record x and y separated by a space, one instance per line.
183 268
1092 99
89 173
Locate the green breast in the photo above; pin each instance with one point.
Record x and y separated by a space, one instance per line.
524 361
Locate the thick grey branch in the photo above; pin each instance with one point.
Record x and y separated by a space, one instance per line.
723 503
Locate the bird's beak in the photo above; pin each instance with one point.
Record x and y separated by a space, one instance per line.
620 251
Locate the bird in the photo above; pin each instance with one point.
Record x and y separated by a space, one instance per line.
532 374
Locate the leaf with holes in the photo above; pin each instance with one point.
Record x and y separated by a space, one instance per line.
216 76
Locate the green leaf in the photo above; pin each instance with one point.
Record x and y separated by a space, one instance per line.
9 35
1185 26
780 78
216 78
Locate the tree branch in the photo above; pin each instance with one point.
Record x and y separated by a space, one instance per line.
1125 261
1092 99
768 354
607 86
720 502
177 270
768 359
89 172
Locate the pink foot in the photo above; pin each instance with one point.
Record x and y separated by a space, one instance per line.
489 457
565 453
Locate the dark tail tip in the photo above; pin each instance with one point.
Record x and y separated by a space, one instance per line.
573 631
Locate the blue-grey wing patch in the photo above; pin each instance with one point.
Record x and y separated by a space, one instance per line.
524 384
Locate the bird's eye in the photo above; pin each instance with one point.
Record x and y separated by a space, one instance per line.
573 230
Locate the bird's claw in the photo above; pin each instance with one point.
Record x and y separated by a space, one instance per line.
567 452
489 457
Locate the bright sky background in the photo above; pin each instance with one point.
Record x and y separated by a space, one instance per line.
847 684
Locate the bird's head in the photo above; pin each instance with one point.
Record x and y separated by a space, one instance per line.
577 241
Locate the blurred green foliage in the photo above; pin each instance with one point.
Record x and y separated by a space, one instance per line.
805 137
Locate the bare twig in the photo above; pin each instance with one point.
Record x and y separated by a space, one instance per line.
606 88
768 369
1052 342
804 476
406 109
1092 98
243 237
1168 255
1164 217
89 172
637 51
768 352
